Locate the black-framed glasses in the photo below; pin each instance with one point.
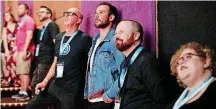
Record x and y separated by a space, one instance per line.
70 14
42 12
187 57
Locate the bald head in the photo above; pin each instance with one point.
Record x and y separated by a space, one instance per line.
132 26
73 16
76 11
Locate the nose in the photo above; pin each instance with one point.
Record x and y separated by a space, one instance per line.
96 16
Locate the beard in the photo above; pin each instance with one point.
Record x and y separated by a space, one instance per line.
21 14
101 24
43 19
122 46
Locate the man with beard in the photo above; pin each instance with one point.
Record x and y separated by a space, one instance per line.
68 68
25 50
139 84
44 53
104 59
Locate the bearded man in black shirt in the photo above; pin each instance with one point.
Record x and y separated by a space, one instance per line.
139 84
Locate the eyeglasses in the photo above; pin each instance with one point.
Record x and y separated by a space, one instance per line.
70 14
187 57
42 12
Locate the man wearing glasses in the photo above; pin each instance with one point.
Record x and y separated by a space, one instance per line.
68 68
44 53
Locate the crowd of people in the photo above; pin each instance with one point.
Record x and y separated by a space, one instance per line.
79 72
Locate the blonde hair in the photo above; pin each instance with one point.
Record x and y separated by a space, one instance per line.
201 50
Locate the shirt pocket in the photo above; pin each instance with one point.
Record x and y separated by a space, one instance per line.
105 53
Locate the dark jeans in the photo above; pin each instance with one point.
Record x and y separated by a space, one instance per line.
54 95
39 75
98 105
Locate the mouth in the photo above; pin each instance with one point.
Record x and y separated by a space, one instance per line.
183 67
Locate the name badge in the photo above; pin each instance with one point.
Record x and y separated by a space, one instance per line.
60 69
37 50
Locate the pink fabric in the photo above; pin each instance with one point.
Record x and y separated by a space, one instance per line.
26 24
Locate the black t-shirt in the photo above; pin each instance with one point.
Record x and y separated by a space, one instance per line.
75 60
46 51
206 101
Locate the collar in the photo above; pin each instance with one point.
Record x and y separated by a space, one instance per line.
47 23
128 58
108 36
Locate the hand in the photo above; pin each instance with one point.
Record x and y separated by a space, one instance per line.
24 55
40 87
107 100
98 94
7 53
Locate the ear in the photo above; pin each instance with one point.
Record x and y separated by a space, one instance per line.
79 21
111 17
207 62
136 36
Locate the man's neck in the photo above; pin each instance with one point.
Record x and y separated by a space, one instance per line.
70 30
104 32
129 50
45 21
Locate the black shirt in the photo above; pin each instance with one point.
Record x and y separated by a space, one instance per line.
142 87
206 100
46 51
75 60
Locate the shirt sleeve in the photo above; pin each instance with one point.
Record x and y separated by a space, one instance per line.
30 24
54 30
113 92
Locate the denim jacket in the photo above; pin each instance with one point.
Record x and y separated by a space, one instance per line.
105 67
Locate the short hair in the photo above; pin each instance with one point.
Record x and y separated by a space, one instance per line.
138 28
200 49
112 10
25 5
48 9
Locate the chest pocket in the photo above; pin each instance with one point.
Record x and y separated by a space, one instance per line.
104 58
105 53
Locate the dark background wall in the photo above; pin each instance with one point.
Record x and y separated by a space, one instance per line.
181 22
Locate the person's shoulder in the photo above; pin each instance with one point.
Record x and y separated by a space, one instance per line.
52 24
147 56
29 19
84 35
59 36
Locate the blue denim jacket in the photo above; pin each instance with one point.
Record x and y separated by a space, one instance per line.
105 67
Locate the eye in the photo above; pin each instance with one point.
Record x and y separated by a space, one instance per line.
188 56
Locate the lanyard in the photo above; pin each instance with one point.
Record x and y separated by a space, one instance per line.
184 98
124 70
65 44
43 30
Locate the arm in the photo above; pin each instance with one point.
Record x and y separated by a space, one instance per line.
54 31
152 80
113 92
30 26
110 95
49 75
4 35
29 34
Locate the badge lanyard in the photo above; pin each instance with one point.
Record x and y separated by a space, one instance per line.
41 37
60 64
184 98
124 70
